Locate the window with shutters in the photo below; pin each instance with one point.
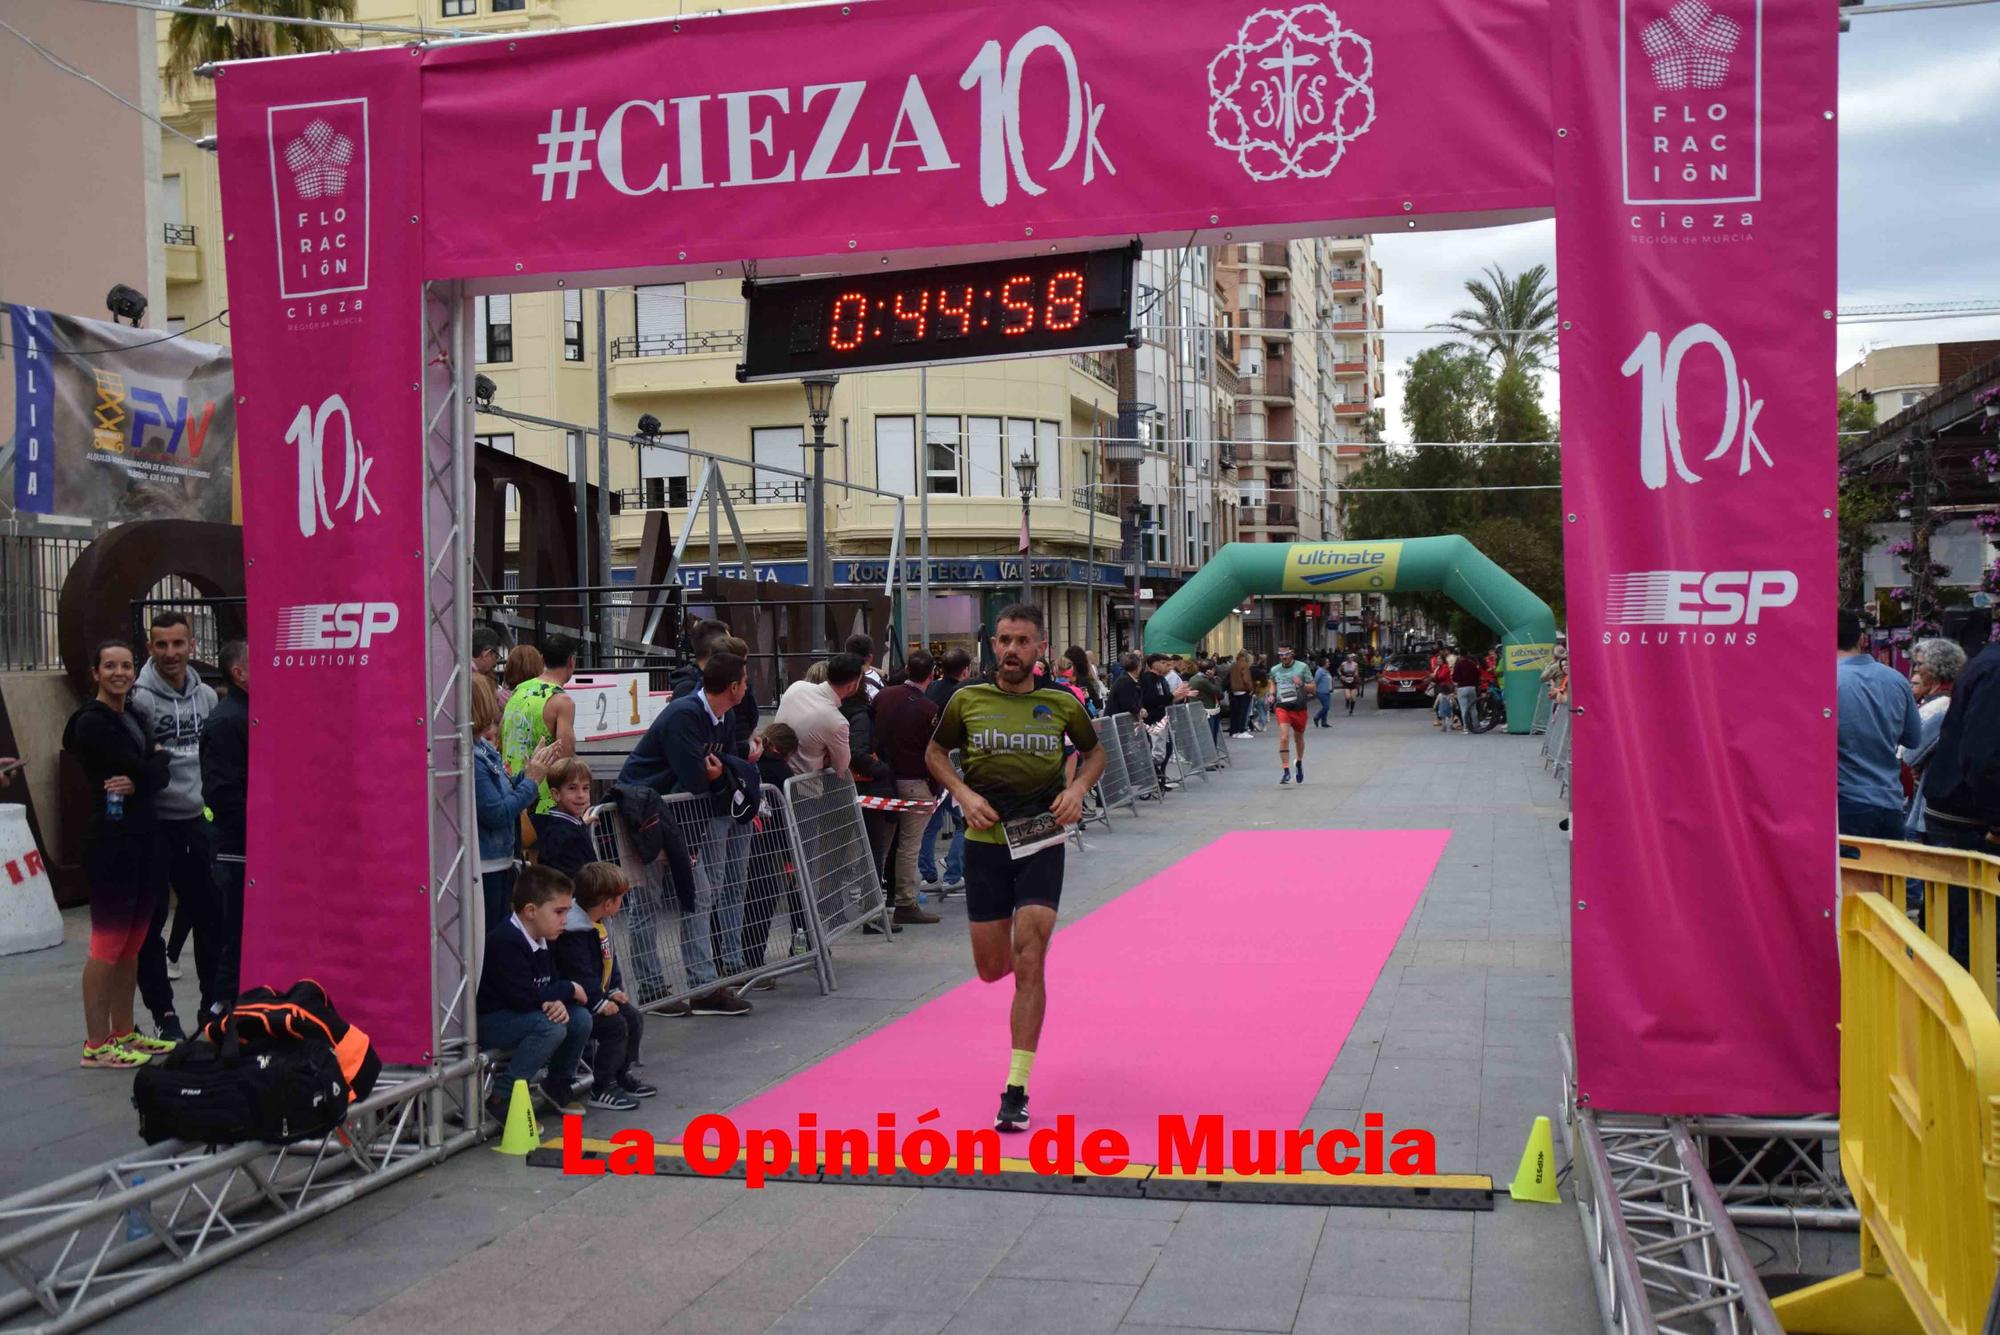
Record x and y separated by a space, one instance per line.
573 325
780 447
660 317
493 329
663 472
896 455
941 449
985 468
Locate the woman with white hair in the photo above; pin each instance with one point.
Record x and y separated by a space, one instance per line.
1935 665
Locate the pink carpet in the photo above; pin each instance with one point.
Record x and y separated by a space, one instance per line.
1225 984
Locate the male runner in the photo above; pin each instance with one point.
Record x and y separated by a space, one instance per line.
1349 673
1010 734
1291 688
540 712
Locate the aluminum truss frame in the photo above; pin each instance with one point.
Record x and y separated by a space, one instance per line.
101 1239
97 1241
457 909
1665 1254
1665 1257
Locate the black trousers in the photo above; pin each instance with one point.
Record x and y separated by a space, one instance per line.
1239 713
617 1038
229 922
184 848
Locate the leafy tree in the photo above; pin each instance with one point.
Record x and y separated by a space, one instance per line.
1448 395
194 40
1525 302
1864 503
1451 397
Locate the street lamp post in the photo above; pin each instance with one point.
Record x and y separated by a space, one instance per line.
819 405
1025 469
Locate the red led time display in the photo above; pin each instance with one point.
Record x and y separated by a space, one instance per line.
965 312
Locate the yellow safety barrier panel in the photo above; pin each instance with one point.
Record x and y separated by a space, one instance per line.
1919 1134
1887 866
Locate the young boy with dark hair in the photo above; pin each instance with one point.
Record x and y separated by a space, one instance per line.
585 956
562 833
523 1004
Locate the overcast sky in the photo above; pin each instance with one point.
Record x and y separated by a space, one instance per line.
1919 196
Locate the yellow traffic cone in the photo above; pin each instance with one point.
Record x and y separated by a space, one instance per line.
1535 1179
522 1132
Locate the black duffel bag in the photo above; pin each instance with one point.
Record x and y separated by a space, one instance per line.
222 1093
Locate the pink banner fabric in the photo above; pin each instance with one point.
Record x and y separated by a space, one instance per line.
857 130
1695 205
320 192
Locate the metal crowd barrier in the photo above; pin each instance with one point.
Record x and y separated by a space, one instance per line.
832 841
1184 723
1545 709
1114 786
1137 745
754 882
1208 752
1919 1094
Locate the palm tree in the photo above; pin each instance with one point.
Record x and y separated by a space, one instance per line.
1525 302
194 40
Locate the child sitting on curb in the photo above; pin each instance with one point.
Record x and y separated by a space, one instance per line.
584 955
522 1002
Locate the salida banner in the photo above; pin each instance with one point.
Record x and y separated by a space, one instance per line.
113 423
1695 239
1695 210
319 186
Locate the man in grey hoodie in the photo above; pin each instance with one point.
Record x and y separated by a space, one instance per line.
173 705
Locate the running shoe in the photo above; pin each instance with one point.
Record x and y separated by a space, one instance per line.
1284 777
170 1029
1013 1114
144 1045
613 1100
637 1088
1301 768
173 969
109 1056
720 1001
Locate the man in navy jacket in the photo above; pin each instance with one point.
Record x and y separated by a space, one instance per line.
682 753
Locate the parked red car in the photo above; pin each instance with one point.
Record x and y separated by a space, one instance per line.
1401 680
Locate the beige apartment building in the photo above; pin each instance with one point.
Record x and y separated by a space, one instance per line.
1134 450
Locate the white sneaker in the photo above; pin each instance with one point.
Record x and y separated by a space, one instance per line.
174 970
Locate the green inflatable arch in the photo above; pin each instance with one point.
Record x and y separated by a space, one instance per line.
1447 564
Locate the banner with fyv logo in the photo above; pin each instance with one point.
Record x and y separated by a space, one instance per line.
325 264
114 423
1695 159
904 124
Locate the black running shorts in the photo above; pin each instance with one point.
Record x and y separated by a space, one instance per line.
996 885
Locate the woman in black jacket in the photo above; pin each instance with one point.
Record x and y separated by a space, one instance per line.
125 769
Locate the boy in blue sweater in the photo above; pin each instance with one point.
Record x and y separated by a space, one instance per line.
524 1004
562 833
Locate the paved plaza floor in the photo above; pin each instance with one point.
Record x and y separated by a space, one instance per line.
1458 1036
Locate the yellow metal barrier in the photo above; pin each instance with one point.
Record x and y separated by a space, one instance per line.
1919 1133
1887 866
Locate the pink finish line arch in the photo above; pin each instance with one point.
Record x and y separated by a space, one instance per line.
1686 148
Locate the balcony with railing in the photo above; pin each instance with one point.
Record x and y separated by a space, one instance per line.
1274 383
1347 317
665 363
1225 455
1267 255
1099 366
183 256
1347 278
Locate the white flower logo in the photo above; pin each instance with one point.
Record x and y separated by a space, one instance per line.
1291 93
1691 46
319 159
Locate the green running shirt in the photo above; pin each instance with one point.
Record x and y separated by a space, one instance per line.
1012 746
523 730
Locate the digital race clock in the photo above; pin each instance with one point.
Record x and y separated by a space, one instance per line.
921 317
